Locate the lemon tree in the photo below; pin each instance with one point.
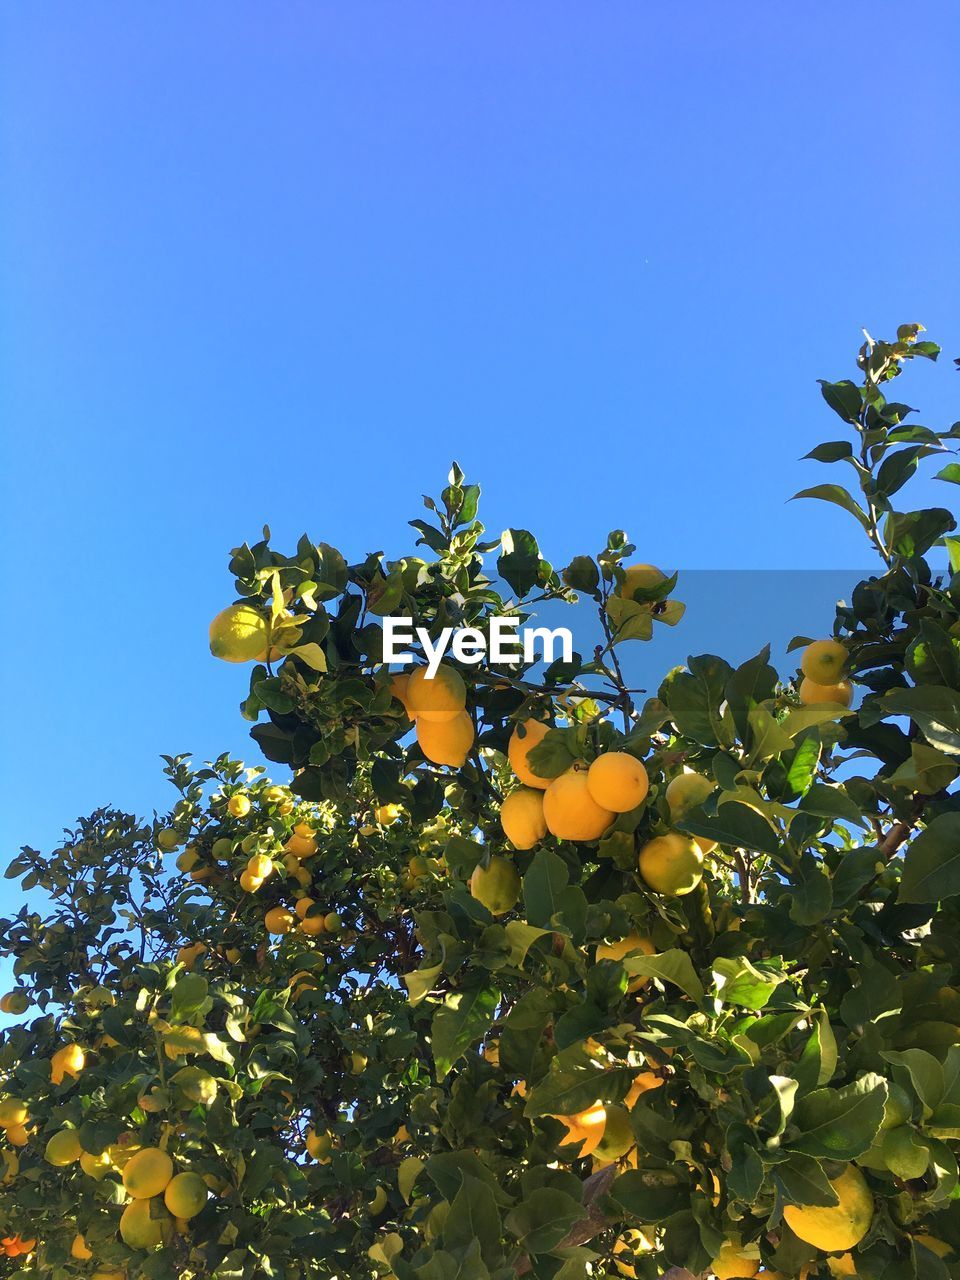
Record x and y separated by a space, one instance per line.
508 973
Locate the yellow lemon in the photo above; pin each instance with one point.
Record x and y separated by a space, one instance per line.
446 741
842 1226
249 883
570 810
398 688
185 1195
642 1084
67 1061
823 661
319 1145
79 1250
731 1263
686 791
240 633
638 577
435 698
671 864
521 817
812 694
260 866
387 814
63 1148
147 1173
618 781
190 954
617 1137
497 885
585 1128
17 1135
14 1002
13 1112
279 920
522 741
95 1166
144 1224
632 944
238 806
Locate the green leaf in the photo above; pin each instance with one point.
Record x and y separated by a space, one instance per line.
926 1074
473 1216
933 656
818 1061
421 982
189 995
840 1124
519 564
543 883
734 824
839 496
460 1022
951 473
844 398
673 966
553 754
935 709
542 1220
631 620
694 698
521 937
831 451
740 983
801 1180
812 892
931 868
651 1195
831 801
582 574
913 533
800 719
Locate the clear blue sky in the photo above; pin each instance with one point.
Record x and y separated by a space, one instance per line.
279 263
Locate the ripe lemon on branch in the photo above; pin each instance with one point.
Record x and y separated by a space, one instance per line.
522 741
436 698
521 816
839 1227
672 864
570 811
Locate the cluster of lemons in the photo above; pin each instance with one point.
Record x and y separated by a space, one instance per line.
822 664
437 706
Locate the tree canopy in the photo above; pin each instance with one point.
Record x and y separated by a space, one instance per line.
511 973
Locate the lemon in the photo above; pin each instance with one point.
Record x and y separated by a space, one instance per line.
144 1224
522 741
238 806
260 866
632 944
95 1166
617 1137
812 694
13 1112
731 1263
190 954
671 864
446 741
63 1148
842 1267
301 846
17 1135
147 1173
642 1084
249 883
570 810
279 920
585 1128
842 1226
67 1061
185 1195
240 633
521 817
496 886
618 781
637 577
437 698
823 661
79 1250
319 1145
686 791
398 688
14 1002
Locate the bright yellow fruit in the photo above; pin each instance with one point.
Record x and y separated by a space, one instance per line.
279 920
642 1084
239 633
249 883
147 1173
302 906
387 814
812 694
522 741
301 846
731 1263
185 1195
13 1112
618 781
585 1127
260 866
63 1148
570 810
17 1135
446 741
79 1250
95 1166
842 1226
356 1063
521 816
632 944
823 661
238 806
144 1224
631 1242
14 1002
686 791
190 954
437 699
67 1061
497 885
672 864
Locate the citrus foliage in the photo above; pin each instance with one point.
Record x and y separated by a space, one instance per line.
516 977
